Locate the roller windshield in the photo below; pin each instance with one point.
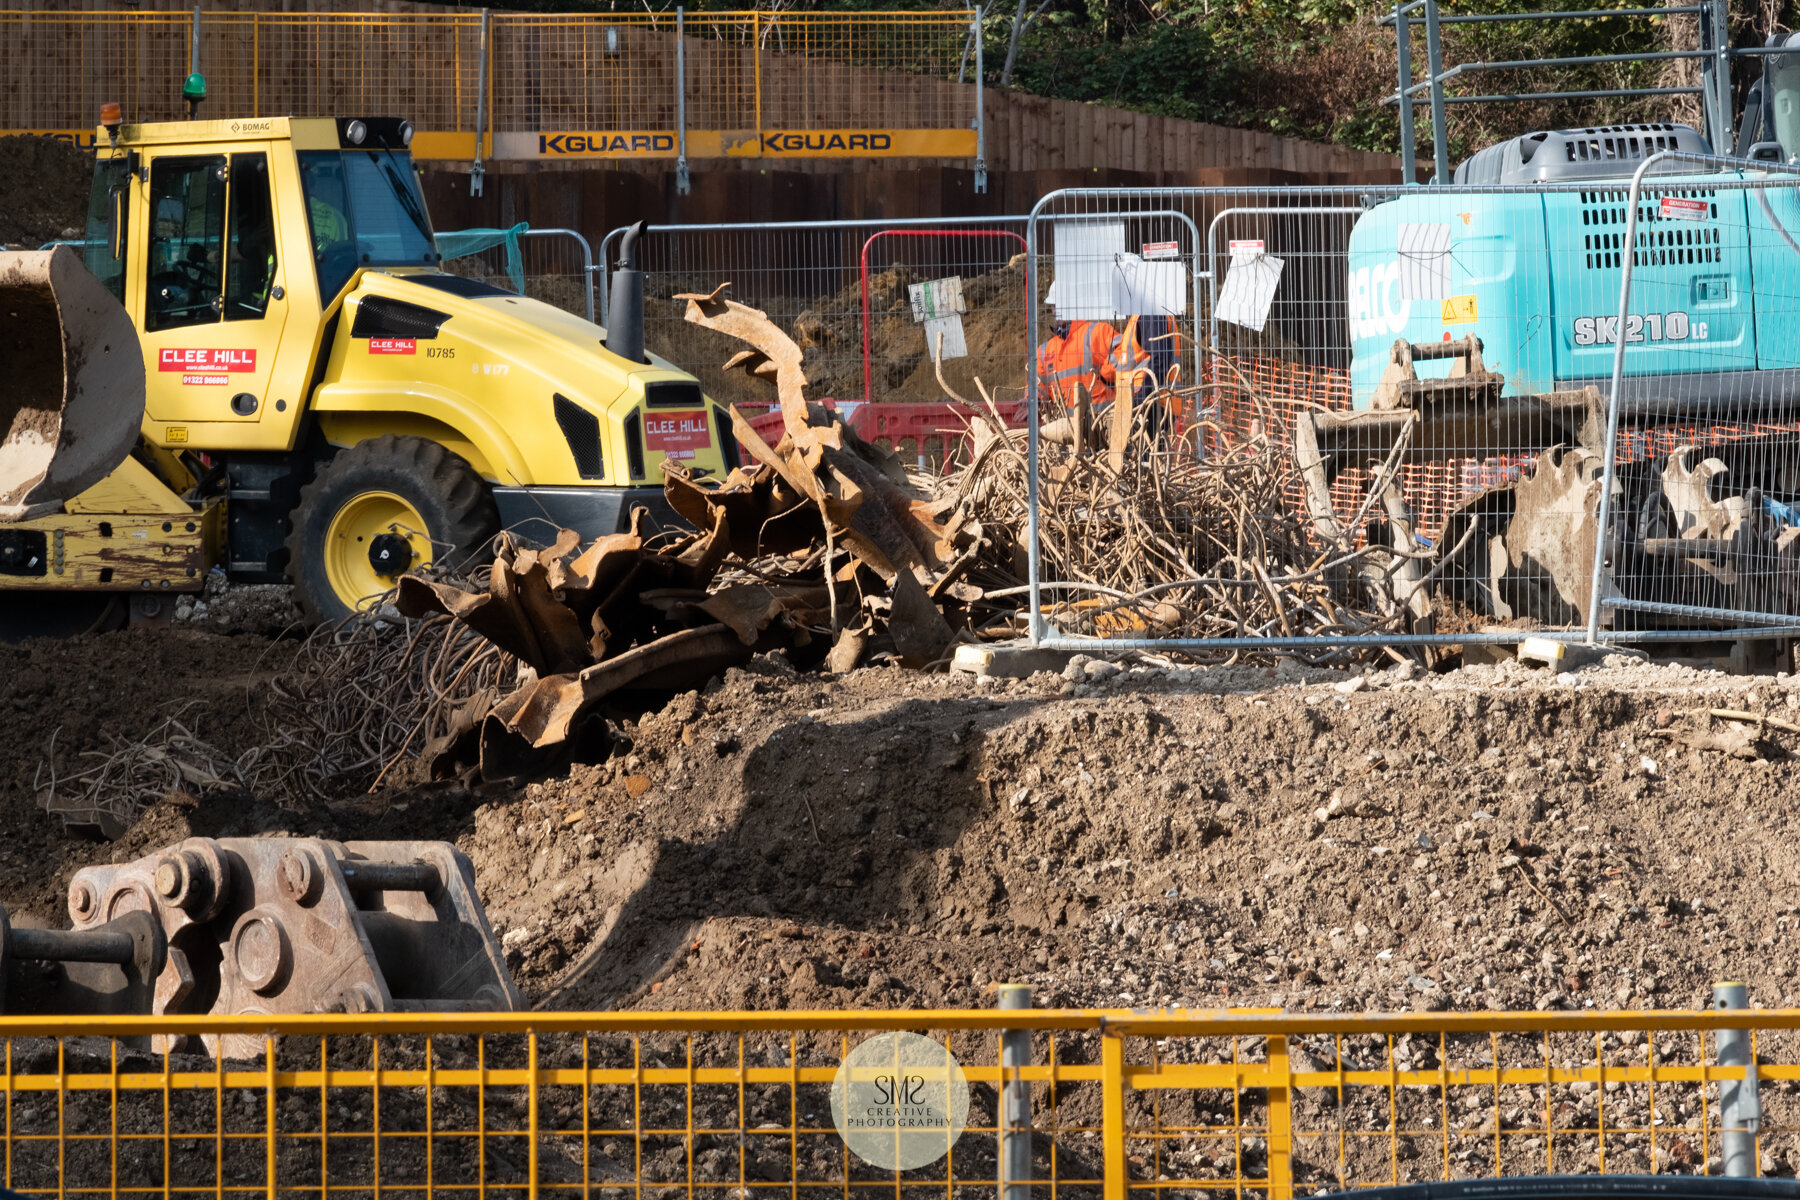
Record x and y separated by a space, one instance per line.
364 209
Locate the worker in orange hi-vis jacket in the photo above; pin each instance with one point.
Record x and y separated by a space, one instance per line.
1079 353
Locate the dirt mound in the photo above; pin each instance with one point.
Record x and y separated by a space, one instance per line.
994 329
1490 838
829 330
884 839
43 191
65 704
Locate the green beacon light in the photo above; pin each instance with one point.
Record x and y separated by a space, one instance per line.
193 90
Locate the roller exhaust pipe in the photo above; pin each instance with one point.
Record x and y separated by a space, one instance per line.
625 313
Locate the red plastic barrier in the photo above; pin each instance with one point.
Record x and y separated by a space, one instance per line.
892 423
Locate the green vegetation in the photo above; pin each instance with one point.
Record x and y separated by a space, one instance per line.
1318 68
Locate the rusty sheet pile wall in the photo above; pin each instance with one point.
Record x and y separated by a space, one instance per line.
716 1104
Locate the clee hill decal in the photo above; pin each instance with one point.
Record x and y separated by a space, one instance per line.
393 346
206 365
677 434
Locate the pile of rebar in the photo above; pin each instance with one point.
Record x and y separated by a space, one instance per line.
1147 533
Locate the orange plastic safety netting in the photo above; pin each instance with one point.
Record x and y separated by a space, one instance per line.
1258 398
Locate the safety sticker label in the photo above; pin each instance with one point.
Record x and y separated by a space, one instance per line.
1164 249
1679 208
1239 246
393 346
677 434
1459 310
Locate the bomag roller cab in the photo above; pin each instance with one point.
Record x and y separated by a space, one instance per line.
295 388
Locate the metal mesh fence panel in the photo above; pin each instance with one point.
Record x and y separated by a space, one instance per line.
837 71
745 72
424 67
849 293
1415 380
64 66
588 73
724 71
556 266
1702 488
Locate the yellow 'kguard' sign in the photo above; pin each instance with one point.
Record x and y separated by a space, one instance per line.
715 143
600 143
81 139
843 143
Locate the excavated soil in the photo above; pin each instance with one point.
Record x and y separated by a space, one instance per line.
889 839
828 330
43 191
1494 837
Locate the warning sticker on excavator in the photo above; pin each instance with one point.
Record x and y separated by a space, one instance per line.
1459 310
677 434
1679 208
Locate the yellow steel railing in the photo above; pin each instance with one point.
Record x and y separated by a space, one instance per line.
737 1104
587 79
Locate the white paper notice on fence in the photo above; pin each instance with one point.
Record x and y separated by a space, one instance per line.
1249 290
1149 288
1424 262
1087 255
951 328
936 298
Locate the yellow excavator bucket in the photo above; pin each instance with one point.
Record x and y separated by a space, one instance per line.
71 382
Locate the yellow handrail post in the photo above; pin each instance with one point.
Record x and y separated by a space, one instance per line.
1112 1114
756 69
271 1114
1281 1122
531 1116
